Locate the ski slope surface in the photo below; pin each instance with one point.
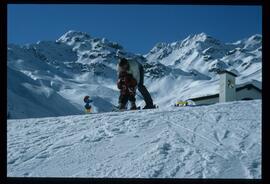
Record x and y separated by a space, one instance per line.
215 141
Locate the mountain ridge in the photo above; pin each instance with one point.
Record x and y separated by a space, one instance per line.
76 63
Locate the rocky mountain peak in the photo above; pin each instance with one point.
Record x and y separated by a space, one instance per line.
73 36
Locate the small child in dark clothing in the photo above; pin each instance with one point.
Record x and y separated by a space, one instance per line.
127 85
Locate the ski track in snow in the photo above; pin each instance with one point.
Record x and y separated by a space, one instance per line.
217 141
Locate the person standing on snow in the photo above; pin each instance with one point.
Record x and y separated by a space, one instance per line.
136 70
88 107
127 85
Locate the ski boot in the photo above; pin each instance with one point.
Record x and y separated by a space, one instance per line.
151 106
122 107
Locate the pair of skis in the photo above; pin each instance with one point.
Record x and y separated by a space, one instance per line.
88 108
116 109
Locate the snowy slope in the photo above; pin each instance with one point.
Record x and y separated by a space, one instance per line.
217 141
44 101
78 64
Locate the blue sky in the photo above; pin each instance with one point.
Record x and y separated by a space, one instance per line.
136 27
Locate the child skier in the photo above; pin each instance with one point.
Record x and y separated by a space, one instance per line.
127 85
88 107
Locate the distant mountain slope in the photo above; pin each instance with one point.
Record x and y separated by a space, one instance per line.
78 64
30 98
208 55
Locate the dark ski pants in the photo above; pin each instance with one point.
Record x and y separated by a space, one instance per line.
124 98
146 95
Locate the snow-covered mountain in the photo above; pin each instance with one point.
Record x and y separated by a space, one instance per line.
208 55
215 141
51 78
195 61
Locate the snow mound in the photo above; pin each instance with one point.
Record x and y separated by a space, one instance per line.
216 141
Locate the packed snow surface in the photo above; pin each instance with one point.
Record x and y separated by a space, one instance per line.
216 141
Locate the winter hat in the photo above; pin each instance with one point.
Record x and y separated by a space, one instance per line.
86 99
123 61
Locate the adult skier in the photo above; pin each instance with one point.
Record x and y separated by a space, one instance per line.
127 85
136 70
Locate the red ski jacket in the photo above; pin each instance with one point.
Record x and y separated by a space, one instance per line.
126 83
